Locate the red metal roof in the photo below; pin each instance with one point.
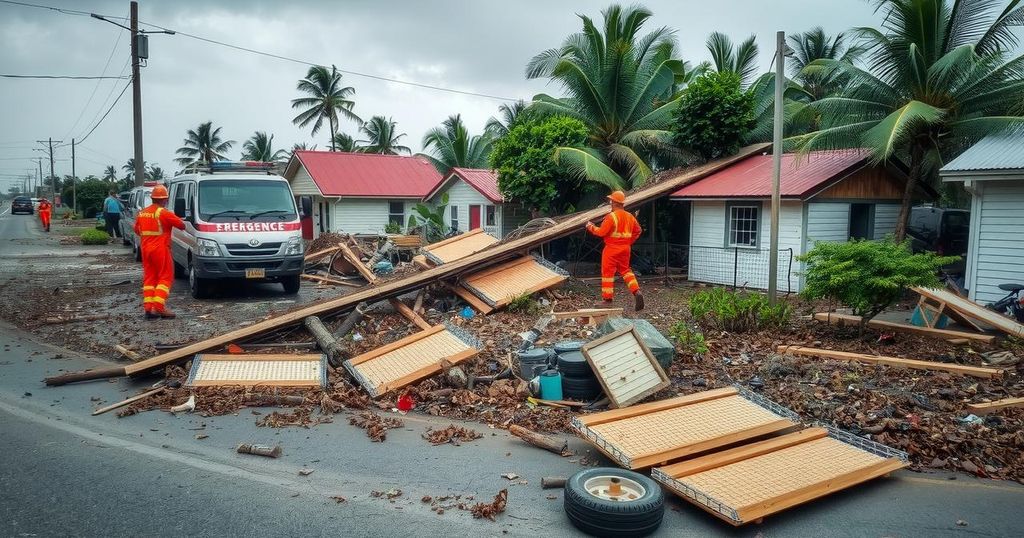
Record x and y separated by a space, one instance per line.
802 175
484 181
368 175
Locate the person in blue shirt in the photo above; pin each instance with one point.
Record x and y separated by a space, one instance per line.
112 215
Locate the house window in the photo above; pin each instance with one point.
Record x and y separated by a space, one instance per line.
455 217
396 213
743 225
489 216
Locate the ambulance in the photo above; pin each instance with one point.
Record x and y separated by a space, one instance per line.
241 223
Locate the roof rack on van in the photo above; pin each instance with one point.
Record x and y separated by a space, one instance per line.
229 166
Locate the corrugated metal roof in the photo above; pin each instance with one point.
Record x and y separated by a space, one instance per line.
1001 151
368 175
802 175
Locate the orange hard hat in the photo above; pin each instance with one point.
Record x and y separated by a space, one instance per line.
618 197
159 193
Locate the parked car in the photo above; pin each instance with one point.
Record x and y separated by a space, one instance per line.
22 204
941 230
138 199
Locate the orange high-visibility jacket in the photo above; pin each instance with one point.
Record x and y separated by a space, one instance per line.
153 225
619 228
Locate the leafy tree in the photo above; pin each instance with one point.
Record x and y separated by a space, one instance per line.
89 194
729 58
110 173
939 77
129 168
260 147
382 137
451 145
156 173
527 170
203 145
511 115
808 47
714 115
623 86
868 276
326 99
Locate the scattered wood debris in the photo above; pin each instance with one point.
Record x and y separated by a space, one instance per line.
491 509
452 434
260 450
375 425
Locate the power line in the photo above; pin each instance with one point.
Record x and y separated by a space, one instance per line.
112 105
68 77
61 10
97 86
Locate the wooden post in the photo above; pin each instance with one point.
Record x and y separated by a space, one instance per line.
351 321
408 313
539 440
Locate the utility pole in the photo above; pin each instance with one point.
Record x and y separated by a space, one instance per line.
140 171
39 161
53 178
773 253
74 180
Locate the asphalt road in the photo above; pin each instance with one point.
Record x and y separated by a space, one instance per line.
64 472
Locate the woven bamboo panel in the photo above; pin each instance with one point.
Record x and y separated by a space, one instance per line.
501 286
286 372
627 370
459 247
384 371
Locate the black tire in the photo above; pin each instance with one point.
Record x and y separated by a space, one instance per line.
574 364
199 287
291 284
599 516
179 271
568 346
581 388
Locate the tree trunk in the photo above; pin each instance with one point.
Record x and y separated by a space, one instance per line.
331 121
916 156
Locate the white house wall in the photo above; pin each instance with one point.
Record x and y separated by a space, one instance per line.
886 216
827 221
365 216
999 256
303 185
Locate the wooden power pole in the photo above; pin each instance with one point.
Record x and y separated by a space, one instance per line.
773 253
140 163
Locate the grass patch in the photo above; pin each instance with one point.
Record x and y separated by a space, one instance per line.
94 237
524 304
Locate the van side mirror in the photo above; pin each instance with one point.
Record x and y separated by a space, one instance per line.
179 207
307 206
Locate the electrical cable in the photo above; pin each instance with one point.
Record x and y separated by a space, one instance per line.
112 105
97 86
67 77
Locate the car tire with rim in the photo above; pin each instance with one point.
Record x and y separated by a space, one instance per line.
291 284
595 507
199 287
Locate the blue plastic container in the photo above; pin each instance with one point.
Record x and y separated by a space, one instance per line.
551 385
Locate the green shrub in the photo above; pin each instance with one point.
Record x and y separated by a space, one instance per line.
95 237
868 276
714 115
689 340
393 228
100 227
524 304
737 311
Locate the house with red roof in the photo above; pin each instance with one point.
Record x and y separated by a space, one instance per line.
474 201
826 196
359 193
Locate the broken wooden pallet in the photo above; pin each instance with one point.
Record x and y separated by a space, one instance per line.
846 319
591 316
499 286
491 256
950 302
659 432
458 247
749 482
626 369
974 371
410 359
271 370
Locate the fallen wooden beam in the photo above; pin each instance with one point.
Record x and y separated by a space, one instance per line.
588 313
127 401
494 255
355 261
75 319
326 280
129 354
409 314
846 319
539 440
325 340
991 407
320 253
951 302
974 371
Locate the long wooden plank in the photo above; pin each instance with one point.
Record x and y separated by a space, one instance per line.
354 260
427 371
314 255
740 453
325 280
653 407
846 319
373 354
973 310
974 371
587 313
409 314
991 407
494 255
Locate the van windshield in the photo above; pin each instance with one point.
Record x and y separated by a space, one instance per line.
258 200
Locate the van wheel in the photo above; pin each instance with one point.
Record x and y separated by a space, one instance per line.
199 287
291 284
179 271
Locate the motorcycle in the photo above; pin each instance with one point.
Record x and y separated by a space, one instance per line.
1011 305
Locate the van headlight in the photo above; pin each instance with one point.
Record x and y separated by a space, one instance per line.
208 247
293 247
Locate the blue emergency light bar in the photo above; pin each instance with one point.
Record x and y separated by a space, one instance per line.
224 166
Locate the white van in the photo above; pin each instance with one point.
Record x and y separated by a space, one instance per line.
240 223
138 199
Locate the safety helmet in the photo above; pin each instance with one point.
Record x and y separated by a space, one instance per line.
159 193
618 197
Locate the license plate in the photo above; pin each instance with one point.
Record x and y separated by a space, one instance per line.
255 272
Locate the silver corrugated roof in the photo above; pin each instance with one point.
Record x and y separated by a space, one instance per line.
1002 151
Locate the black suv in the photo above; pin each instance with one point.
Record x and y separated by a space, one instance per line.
943 231
22 204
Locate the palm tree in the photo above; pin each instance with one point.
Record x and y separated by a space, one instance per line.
451 145
813 45
326 99
624 87
345 142
939 76
260 147
129 168
382 138
510 114
155 173
741 59
203 145
110 173
301 146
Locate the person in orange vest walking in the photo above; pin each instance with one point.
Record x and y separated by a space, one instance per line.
45 210
153 225
619 231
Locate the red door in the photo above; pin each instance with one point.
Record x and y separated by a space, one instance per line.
474 217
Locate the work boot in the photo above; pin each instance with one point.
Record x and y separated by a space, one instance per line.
152 315
166 314
638 299
606 303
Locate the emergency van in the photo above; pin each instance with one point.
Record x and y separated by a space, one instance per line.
240 223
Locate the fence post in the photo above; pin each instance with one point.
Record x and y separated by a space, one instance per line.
789 273
735 265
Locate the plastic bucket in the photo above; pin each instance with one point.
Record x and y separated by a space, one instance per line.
568 346
551 385
531 358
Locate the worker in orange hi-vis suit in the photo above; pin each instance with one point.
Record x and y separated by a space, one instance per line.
619 231
45 210
153 225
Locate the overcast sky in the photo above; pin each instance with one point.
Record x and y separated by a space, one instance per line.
479 46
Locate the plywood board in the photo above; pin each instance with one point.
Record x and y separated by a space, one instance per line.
747 483
985 408
408 360
661 432
458 247
973 371
973 310
278 370
627 370
498 286
846 319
